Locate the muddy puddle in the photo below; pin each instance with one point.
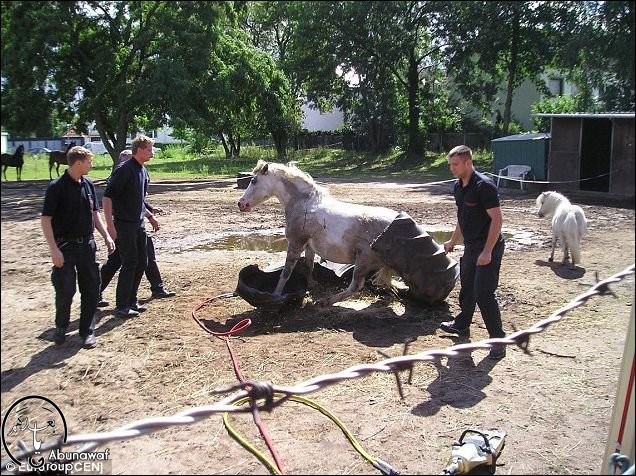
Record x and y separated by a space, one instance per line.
274 241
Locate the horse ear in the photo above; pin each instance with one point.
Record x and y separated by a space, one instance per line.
265 167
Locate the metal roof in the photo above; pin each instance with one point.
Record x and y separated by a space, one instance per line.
540 136
591 115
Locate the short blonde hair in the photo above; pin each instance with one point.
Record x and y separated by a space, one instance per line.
78 153
461 150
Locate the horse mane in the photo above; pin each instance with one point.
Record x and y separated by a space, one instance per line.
554 199
302 180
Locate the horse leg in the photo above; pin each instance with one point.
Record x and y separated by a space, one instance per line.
360 272
554 242
57 169
566 252
310 254
293 255
4 172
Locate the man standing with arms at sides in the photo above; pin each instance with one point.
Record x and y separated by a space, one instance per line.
70 215
124 210
479 221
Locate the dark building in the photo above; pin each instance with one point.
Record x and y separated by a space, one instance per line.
592 152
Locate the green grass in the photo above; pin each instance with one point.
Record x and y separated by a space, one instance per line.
175 163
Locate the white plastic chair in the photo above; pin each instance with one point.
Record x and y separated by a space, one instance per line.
514 171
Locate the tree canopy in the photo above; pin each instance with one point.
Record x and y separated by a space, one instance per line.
235 69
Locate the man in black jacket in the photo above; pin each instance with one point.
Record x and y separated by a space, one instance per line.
125 210
113 263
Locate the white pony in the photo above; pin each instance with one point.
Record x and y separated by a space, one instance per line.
568 224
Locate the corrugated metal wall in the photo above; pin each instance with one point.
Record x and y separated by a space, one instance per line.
532 152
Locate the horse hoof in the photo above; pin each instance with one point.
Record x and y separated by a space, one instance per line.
550 260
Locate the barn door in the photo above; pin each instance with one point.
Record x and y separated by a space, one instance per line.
596 151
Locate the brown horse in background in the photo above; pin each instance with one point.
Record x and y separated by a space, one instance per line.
58 157
13 160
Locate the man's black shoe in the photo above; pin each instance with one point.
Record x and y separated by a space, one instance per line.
138 307
449 326
102 303
162 293
126 312
89 341
59 336
497 353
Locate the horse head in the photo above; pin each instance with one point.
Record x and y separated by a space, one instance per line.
19 156
546 204
549 202
287 183
259 189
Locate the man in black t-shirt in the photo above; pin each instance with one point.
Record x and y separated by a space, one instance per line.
70 215
479 221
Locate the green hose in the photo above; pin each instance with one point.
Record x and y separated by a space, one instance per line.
377 463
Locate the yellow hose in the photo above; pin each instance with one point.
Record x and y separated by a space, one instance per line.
310 403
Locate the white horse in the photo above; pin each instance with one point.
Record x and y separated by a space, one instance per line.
568 224
319 224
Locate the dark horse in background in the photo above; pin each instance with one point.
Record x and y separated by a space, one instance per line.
13 160
58 157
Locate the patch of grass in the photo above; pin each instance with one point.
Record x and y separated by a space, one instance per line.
177 163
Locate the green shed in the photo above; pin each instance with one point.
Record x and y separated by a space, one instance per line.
522 149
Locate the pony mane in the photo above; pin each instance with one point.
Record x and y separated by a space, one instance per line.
554 198
302 180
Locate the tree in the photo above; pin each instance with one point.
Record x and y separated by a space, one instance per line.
390 49
112 63
597 52
242 91
494 43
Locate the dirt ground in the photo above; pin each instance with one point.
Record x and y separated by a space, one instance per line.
554 404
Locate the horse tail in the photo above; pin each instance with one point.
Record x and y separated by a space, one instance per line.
574 244
581 228
573 229
384 278
581 221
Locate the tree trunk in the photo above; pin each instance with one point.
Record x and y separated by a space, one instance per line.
512 72
226 147
280 142
415 148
